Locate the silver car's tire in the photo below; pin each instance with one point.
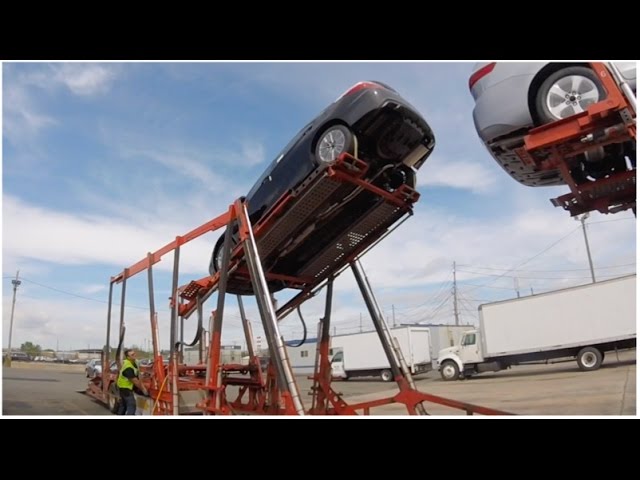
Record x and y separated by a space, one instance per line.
334 141
566 92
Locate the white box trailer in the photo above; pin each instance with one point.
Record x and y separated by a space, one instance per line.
581 322
361 354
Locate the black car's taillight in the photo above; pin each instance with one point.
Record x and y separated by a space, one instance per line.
359 86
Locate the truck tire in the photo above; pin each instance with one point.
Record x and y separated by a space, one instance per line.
589 358
386 375
449 371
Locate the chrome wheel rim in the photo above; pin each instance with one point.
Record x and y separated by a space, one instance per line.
448 371
571 95
331 145
589 359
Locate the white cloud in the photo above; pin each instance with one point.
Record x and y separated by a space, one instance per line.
416 259
84 79
38 233
70 323
92 289
252 153
199 165
184 165
80 78
421 252
22 119
467 175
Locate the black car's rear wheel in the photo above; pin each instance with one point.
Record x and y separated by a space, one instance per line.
334 141
216 257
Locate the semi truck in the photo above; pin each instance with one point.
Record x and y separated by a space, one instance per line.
361 354
581 323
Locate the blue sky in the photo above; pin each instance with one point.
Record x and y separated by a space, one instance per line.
103 162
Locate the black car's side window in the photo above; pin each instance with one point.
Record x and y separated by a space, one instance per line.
266 176
293 142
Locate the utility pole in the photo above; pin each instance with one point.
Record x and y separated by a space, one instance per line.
393 314
586 242
455 296
361 323
16 283
516 286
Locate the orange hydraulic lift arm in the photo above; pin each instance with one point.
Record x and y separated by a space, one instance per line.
210 226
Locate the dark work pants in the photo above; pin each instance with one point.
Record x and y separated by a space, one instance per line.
127 402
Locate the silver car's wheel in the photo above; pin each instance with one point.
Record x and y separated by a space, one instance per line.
567 92
336 140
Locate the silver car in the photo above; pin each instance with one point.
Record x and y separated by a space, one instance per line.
93 368
513 98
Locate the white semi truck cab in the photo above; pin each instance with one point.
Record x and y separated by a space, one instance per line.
451 361
467 358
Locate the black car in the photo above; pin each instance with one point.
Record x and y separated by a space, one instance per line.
369 121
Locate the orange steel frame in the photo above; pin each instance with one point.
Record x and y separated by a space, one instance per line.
555 146
264 394
260 392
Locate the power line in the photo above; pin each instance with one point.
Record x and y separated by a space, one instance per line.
613 220
547 271
233 316
432 298
535 256
475 285
532 278
79 296
455 296
433 312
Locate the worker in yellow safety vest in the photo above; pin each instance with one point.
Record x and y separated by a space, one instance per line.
127 379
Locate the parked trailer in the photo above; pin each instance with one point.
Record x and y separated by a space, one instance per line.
362 362
581 322
361 354
444 336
